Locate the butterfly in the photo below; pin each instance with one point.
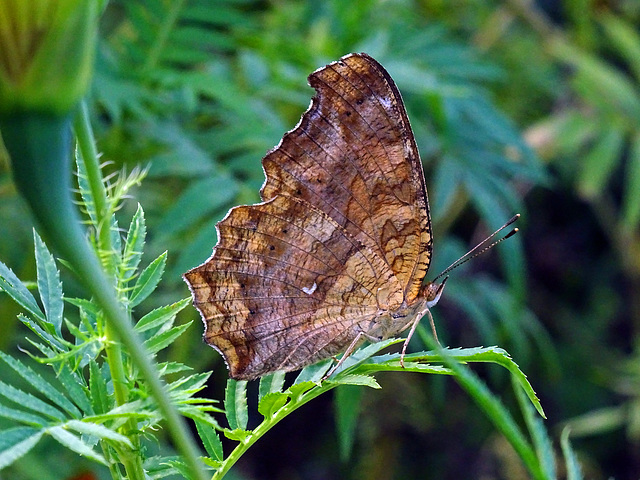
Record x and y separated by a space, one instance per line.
337 251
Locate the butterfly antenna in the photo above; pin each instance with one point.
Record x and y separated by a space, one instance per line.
481 248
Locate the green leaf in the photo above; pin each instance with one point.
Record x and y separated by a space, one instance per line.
631 199
363 380
18 292
98 387
625 37
237 434
49 284
315 372
235 404
160 316
134 245
16 442
28 401
605 85
76 388
210 440
271 383
148 280
599 162
271 403
347 408
41 385
21 416
75 444
574 472
164 339
541 440
99 431
298 389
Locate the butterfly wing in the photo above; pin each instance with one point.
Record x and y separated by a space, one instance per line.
286 287
353 156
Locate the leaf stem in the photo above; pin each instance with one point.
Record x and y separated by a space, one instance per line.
268 424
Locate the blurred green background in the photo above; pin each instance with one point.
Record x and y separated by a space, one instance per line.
517 106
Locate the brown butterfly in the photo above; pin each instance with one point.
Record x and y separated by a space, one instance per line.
338 250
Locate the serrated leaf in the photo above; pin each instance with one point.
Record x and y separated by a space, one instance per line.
40 384
237 434
21 416
271 383
210 440
49 285
75 444
148 280
235 404
75 386
98 387
160 316
315 372
297 389
164 339
99 431
28 401
16 442
363 380
133 245
12 285
271 403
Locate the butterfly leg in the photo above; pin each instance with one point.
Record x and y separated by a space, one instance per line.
352 346
427 311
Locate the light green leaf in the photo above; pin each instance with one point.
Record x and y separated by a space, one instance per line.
164 339
28 401
16 442
210 440
148 280
75 443
98 385
76 388
12 285
271 403
49 285
599 163
574 472
40 384
271 383
99 431
364 380
160 316
21 416
134 245
237 434
235 404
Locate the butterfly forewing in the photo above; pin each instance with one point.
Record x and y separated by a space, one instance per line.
341 241
353 155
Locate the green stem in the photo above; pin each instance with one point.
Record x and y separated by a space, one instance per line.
267 425
39 146
89 153
131 460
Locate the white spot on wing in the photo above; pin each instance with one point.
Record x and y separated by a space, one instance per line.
309 291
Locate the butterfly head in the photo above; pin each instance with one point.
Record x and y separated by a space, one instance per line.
432 291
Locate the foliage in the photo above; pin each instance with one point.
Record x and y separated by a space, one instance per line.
198 91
